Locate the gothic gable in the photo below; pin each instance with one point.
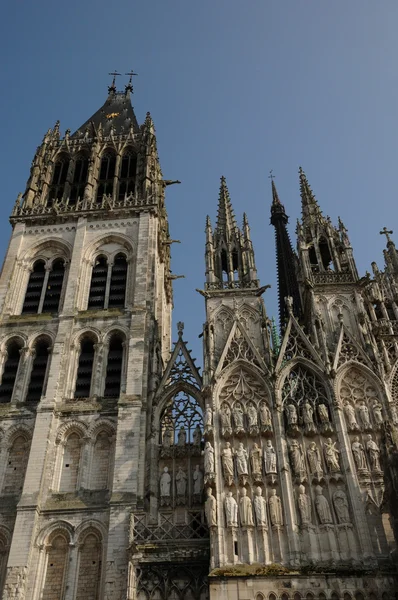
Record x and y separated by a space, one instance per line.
240 347
295 344
348 349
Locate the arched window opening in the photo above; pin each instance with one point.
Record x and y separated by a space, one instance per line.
52 295
224 265
101 461
326 257
38 372
106 176
378 310
10 372
114 368
34 289
57 560
127 175
312 257
85 369
57 186
96 298
89 568
16 467
79 180
390 312
117 290
70 464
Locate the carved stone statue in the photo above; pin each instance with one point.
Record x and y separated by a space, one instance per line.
255 458
374 454
291 415
227 463
269 458
241 460
197 481
323 414
181 482
331 456
208 418
304 504
275 509
340 503
260 507
265 417
322 507
165 483
252 419
231 510
237 414
211 508
245 509
225 417
314 460
182 437
349 411
308 417
209 458
167 438
296 459
378 414
359 454
364 416
197 436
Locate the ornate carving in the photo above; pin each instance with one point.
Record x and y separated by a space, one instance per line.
322 507
260 507
304 505
315 461
275 509
340 503
331 456
227 464
211 508
245 509
165 487
231 510
297 460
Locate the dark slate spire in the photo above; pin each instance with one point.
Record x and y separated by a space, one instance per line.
286 261
116 114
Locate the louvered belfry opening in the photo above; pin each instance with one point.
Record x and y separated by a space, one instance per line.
106 175
85 369
127 174
58 180
38 372
117 290
54 287
114 367
79 180
34 289
10 371
96 298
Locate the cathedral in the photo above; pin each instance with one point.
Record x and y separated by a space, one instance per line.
126 472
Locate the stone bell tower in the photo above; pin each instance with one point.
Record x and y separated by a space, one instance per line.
85 301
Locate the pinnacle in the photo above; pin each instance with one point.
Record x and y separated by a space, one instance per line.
275 197
225 217
309 203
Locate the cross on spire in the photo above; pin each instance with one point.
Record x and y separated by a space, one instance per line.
129 86
387 233
112 87
271 176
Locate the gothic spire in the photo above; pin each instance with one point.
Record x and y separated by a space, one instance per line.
391 253
309 205
286 261
226 222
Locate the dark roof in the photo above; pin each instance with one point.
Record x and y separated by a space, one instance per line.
117 112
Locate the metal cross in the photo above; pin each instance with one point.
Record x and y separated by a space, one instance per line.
115 74
271 176
131 73
387 233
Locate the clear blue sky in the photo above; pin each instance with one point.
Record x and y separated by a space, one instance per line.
236 88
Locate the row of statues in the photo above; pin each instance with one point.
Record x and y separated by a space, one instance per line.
233 421
373 452
322 507
181 484
247 510
359 419
239 459
297 460
312 418
168 437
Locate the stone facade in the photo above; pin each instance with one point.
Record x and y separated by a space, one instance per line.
125 474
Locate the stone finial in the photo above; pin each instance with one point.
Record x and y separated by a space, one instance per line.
180 328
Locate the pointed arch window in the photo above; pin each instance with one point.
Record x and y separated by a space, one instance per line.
127 174
79 180
114 367
106 175
58 180
96 298
10 371
52 296
35 287
38 372
117 289
85 369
